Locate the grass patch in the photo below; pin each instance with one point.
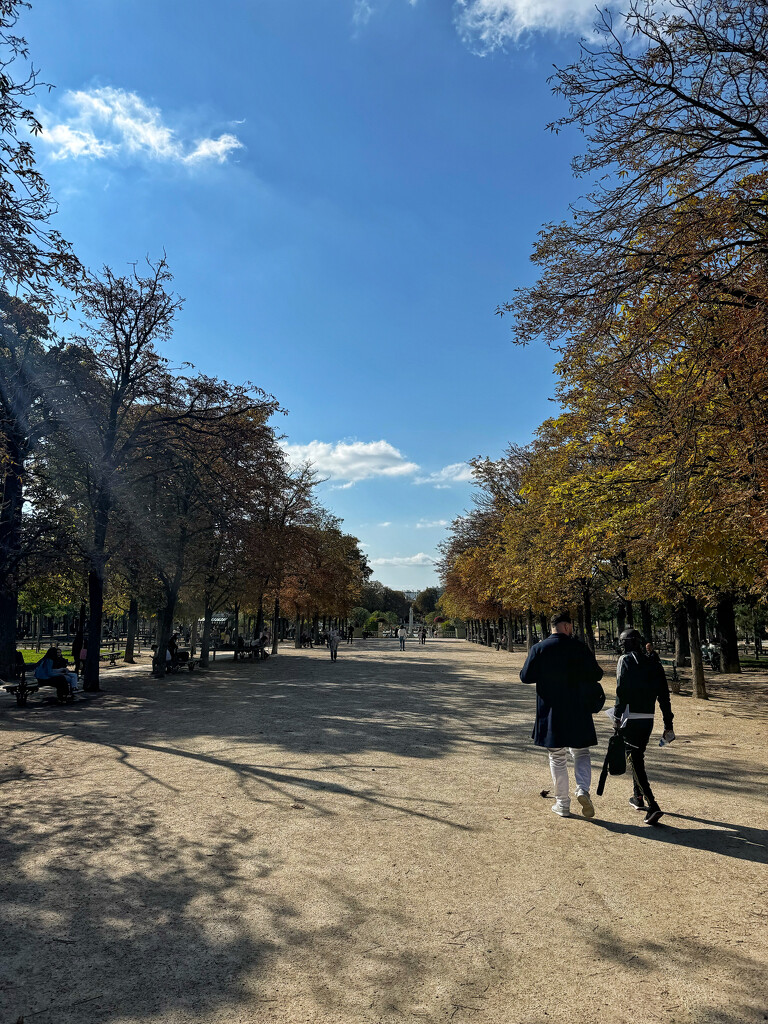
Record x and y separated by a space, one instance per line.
32 657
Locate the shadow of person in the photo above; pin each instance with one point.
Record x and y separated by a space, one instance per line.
742 842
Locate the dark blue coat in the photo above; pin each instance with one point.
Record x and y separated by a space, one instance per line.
567 691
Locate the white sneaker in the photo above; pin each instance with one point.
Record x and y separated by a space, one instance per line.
564 810
587 807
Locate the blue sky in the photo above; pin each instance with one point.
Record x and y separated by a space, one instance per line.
345 190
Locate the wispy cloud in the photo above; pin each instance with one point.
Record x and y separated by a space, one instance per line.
420 559
361 13
431 524
456 473
488 24
385 524
99 123
349 462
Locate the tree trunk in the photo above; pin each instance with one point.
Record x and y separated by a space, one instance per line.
10 548
697 664
205 646
646 621
193 638
510 635
260 616
529 641
8 610
275 624
588 628
726 627
133 618
580 620
164 630
96 609
682 644
703 630
297 631
757 630
621 616
544 626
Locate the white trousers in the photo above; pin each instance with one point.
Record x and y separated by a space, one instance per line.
582 769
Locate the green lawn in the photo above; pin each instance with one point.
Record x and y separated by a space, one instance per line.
32 657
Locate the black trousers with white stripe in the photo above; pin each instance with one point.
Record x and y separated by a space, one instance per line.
636 733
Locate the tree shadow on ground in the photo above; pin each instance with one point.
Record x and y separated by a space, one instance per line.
108 914
741 842
657 966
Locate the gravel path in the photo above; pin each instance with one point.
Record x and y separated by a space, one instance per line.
302 841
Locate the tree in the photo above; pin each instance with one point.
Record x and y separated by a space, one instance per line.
34 258
674 108
426 600
25 375
115 380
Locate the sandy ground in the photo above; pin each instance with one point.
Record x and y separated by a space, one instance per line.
300 841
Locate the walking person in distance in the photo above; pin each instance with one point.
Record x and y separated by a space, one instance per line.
401 633
568 693
333 643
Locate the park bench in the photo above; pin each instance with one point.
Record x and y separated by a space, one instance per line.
111 656
183 660
21 689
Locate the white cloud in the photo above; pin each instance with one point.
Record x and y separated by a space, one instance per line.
108 122
71 142
361 13
352 461
431 524
456 473
420 559
385 524
488 24
214 149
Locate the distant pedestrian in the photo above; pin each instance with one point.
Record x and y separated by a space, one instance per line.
333 643
423 635
640 683
568 694
402 635
350 634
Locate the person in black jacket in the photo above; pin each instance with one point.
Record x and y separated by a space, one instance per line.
568 694
640 683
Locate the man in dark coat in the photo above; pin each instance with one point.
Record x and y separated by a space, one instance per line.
568 694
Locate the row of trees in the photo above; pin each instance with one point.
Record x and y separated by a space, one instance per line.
125 478
650 485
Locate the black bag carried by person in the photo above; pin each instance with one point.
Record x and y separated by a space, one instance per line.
615 761
592 696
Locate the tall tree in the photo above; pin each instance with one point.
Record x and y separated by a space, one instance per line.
116 381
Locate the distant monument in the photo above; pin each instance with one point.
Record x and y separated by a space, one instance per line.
410 622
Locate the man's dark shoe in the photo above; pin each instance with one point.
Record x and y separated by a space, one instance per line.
637 803
653 815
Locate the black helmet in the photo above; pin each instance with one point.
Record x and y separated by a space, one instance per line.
629 641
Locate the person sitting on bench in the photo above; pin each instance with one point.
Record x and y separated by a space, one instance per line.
51 671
